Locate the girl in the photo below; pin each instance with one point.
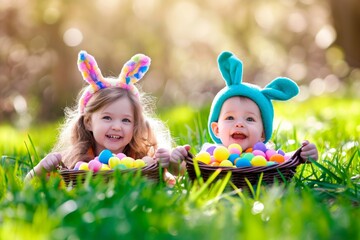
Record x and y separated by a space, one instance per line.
111 114
243 113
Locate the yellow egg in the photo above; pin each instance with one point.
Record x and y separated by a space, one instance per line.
128 162
114 161
221 153
226 163
105 167
139 163
84 166
203 157
258 161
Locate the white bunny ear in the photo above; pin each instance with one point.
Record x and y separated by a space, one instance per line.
134 69
231 68
90 71
281 89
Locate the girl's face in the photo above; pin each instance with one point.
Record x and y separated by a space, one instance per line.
239 122
112 125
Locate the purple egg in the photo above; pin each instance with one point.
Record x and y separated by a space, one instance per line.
279 151
260 146
211 150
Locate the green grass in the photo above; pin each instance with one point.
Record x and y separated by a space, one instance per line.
321 202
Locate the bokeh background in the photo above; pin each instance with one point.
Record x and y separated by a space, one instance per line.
314 42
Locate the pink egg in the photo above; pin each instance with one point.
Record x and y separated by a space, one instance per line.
120 155
269 153
234 151
94 165
97 158
259 153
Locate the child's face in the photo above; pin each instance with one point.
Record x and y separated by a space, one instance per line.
113 126
239 122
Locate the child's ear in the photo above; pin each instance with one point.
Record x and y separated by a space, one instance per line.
262 137
215 128
87 124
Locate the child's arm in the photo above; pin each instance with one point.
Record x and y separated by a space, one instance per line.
177 157
47 164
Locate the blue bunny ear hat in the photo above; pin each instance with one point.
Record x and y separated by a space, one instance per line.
231 70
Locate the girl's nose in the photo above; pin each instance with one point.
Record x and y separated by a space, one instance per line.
116 126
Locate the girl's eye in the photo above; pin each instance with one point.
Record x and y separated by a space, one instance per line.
126 120
229 118
107 118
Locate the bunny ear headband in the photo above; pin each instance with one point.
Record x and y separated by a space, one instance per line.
132 71
231 69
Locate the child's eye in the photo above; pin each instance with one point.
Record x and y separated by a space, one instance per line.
229 118
250 119
106 118
126 120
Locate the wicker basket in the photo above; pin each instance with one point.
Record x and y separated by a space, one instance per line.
281 172
71 177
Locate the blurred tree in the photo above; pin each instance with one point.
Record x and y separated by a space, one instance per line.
346 18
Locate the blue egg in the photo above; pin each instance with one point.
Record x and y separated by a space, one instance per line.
270 163
233 156
105 155
243 162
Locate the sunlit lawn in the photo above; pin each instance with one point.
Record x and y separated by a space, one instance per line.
321 202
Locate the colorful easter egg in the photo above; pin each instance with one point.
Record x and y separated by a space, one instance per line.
279 151
120 155
242 162
277 158
270 163
139 163
148 160
258 161
77 165
221 153
128 162
84 166
260 146
235 148
105 155
269 153
94 165
257 152
113 161
233 156
249 150
105 167
248 156
211 149
203 157
120 167
226 163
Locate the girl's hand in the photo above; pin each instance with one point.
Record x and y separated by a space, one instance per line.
309 151
162 156
177 157
47 164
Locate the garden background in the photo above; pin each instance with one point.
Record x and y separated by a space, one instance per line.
316 43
